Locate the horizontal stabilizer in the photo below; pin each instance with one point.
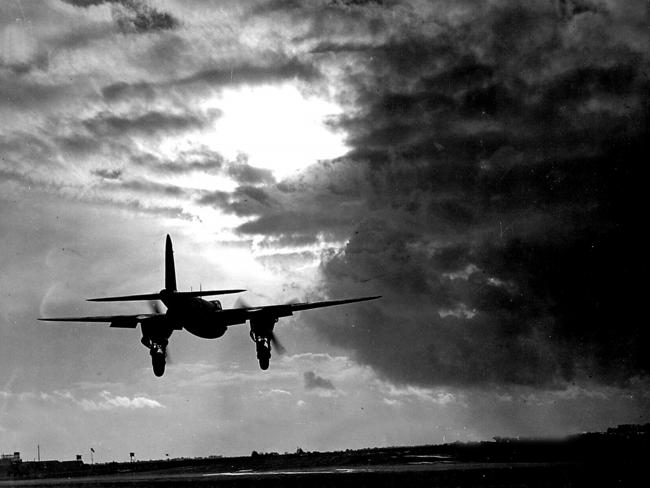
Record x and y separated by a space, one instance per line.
206 293
156 296
127 298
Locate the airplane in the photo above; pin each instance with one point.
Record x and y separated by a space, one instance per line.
202 318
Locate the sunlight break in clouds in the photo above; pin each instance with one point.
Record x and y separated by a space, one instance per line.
277 127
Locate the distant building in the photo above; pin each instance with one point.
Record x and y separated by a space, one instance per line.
629 430
10 458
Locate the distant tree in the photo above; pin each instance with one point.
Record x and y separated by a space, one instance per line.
255 454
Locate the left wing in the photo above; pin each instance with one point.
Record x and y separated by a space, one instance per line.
122 321
234 316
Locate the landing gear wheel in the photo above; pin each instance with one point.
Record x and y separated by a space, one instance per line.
264 363
158 361
263 348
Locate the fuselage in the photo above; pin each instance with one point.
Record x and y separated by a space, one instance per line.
197 316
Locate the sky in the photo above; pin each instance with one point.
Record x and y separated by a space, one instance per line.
476 163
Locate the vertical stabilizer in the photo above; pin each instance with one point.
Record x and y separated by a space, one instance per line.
170 271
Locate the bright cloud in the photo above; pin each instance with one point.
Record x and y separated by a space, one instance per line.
105 400
277 127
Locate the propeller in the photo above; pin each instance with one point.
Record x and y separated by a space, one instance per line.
277 345
241 303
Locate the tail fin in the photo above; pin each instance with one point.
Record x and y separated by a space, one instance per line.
170 284
170 271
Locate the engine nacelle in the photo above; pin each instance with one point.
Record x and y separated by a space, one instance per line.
263 325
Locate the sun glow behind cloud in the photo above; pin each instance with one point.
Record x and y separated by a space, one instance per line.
276 127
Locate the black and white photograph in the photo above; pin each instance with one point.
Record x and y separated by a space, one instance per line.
316 243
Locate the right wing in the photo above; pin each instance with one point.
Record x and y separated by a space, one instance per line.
235 316
121 321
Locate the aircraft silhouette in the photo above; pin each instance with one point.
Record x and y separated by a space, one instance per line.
205 319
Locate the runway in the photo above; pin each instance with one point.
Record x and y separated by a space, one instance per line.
440 474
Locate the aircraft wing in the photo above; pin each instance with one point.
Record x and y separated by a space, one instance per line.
234 316
157 296
121 321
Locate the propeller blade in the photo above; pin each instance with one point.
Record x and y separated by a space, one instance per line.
241 303
276 344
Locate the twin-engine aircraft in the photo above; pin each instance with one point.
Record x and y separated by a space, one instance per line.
205 319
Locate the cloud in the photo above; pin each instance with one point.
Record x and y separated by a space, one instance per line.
437 396
195 160
313 381
266 68
108 401
209 375
109 174
103 400
244 173
148 124
488 195
133 15
15 93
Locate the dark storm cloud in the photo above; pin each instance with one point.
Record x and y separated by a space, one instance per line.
323 203
499 197
133 15
313 381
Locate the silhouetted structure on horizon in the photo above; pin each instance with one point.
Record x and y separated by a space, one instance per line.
623 444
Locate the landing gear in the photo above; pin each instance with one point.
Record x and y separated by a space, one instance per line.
263 348
158 351
158 361
262 335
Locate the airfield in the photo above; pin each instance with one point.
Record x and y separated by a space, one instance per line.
615 458
407 475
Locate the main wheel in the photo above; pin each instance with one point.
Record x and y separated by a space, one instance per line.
264 363
158 363
263 353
